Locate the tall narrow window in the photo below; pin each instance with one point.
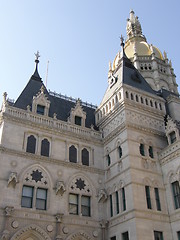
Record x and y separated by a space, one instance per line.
151 152
27 196
113 238
178 234
158 204
123 199
45 147
117 202
176 194
141 149
78 120
108 160
31 144
85 157
111 205
41 198
125 236
148 197
172 137
158 235
85 206
120 151
73 204
73 154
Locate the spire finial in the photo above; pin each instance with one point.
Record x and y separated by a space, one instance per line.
37 56
36 74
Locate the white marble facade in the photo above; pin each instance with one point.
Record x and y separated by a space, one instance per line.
128 188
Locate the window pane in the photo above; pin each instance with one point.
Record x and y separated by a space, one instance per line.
108 160
73 204
120 151
73 154
85 157
26 202
27 191
158 204
141 149
158 235
78 120
117 202
45 147
111 206
85 205
125 236
41 204
123 199
148 197
151 152
41 193
73 198
176 194
31 144
41 197
27 196
40 109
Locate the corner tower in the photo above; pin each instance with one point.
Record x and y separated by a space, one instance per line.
155 67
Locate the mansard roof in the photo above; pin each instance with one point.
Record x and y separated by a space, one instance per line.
126 74
59 105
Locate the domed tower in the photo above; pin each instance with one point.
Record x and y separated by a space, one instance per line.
148 59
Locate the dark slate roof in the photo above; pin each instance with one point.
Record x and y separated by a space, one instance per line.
131 76
58 105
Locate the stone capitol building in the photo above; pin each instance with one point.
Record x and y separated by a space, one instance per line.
73 171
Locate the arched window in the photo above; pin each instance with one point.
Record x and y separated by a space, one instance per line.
151 154
35 189
45 147
108 160
151 103
120 151
146 101
127 95
137 99
141 149
31 144
142 100
85 157
73 154
132 97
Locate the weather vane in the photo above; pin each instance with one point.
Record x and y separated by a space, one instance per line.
37 55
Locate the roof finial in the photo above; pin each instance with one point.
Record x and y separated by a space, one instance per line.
37 56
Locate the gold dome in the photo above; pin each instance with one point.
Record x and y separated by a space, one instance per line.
142 48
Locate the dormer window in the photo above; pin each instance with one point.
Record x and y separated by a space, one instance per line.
40 109
78 120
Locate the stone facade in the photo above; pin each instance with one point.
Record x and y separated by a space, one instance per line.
74 171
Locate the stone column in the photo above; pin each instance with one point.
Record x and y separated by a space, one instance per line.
59 217
8 213
103 224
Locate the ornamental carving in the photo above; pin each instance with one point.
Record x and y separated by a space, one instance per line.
40 233
60 188
12 180
36 176
102 195
79 184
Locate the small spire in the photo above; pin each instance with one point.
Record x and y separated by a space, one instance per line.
36 74
110 66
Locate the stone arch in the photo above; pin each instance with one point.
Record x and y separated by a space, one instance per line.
89 186
36 166
79 236
31 231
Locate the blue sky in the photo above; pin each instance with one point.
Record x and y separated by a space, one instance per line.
78 38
